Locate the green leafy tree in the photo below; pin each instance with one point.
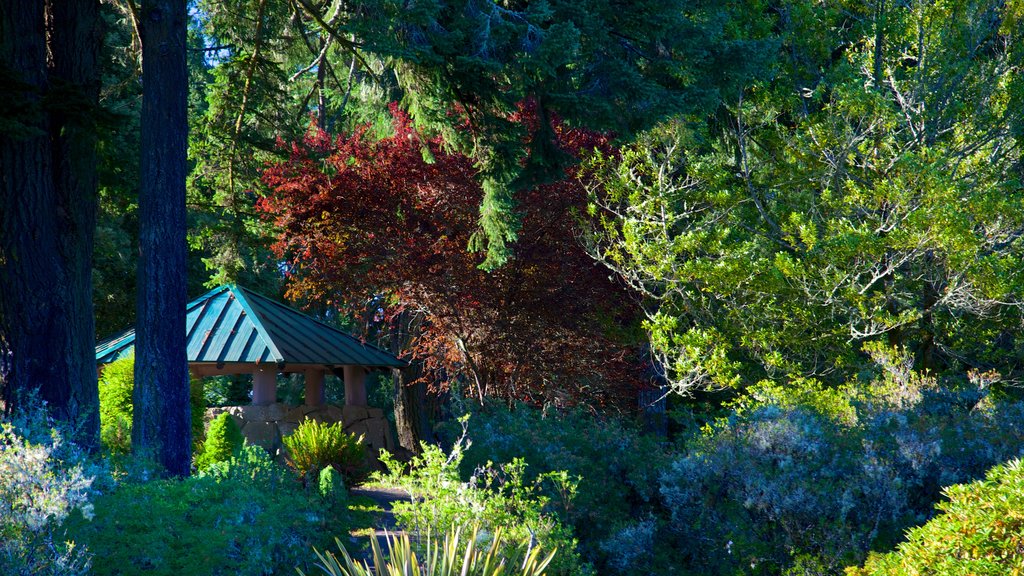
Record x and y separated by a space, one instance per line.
461 69
465 67
879 199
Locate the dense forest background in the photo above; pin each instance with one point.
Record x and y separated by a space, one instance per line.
783 236
805 179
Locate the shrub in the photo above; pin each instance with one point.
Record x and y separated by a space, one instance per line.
331 486
42 481
979 532
223 440
116 384
494 497
246 516
754 489
631 548
477 555
807 480
617 470
315 445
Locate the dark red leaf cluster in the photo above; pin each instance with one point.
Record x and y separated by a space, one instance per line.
385 224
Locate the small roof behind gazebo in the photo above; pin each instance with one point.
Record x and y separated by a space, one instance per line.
233 325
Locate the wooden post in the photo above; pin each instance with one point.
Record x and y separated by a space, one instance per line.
355 385
264 386
315 387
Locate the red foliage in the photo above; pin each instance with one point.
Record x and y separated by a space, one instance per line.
364 221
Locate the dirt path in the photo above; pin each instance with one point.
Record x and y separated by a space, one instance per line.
385 523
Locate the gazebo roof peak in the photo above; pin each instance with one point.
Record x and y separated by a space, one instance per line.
234 325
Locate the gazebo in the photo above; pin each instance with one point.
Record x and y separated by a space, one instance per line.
233 330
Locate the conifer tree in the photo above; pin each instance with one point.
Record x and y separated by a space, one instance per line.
161 426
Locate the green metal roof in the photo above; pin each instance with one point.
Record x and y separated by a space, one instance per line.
232 324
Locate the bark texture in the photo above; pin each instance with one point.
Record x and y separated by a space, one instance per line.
411 421
48 98
74 32
161 426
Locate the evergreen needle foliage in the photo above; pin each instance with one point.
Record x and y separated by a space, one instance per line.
472 556
223 440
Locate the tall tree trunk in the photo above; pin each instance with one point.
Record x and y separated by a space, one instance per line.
30 267
47 206
160 426
74 38
411 421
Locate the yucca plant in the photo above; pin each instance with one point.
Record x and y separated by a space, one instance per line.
316 445
454 557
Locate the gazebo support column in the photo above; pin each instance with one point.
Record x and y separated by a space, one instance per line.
315 387
355 385
264 386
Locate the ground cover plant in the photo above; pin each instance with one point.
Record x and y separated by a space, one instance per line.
246 516
43 480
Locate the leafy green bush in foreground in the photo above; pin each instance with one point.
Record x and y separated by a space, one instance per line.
247 517
980 532
494 497
611 510
478 555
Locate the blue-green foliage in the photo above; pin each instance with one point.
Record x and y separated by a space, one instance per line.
246 516
796 478
978 533
43 479
616 467
807 480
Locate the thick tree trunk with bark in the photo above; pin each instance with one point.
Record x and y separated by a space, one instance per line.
49 95
411 420
160 426
75 36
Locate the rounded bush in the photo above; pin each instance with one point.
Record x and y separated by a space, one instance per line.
223 440
979 532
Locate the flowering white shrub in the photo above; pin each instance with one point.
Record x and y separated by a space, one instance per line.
38 490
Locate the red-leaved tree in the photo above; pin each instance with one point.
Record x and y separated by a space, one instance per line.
383 225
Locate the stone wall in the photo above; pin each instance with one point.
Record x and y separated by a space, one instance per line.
266 425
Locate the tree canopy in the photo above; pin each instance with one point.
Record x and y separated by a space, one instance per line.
374 228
